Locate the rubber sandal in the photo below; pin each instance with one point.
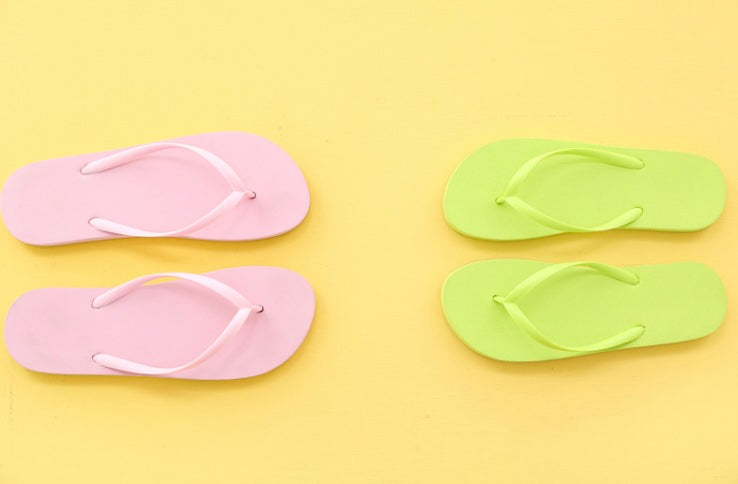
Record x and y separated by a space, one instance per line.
527 188
214 186
522 310
226 324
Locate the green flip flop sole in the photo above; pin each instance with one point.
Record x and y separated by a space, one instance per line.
523 310
527 188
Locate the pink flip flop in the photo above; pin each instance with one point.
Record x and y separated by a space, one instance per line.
214 186
176 329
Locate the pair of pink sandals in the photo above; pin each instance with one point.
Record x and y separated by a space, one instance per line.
231 323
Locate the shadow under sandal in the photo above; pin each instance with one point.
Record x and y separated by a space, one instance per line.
527 188
231 323
522 310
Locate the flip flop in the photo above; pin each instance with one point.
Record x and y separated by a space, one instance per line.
176 329
523 310
526 188
214 186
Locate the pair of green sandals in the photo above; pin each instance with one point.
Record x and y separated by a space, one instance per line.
524 310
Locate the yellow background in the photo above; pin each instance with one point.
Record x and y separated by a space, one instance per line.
378 101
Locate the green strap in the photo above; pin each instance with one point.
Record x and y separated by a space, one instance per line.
509 302
601 156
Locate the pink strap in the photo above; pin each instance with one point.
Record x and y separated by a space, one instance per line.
245 308
126 156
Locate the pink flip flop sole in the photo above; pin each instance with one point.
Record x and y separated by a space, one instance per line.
57 330
53 202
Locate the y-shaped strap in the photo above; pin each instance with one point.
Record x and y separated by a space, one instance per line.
509 302
601 156
126 156
245 308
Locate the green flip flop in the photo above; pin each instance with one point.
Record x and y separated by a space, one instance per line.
523 310
526 188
